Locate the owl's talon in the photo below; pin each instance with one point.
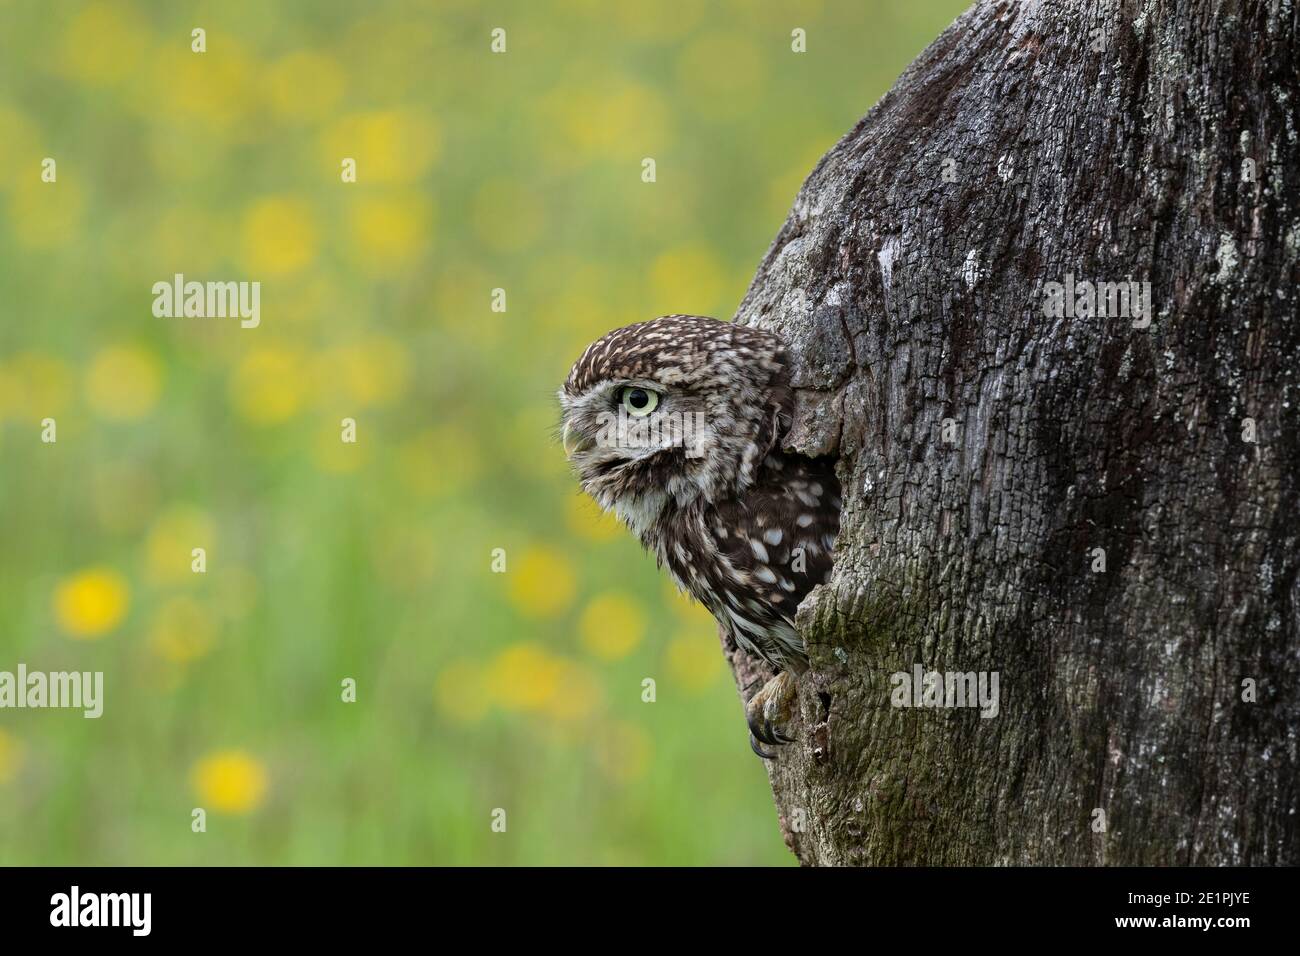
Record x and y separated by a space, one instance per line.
774 734
760 729
754 746
768 710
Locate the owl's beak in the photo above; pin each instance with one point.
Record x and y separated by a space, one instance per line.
574 441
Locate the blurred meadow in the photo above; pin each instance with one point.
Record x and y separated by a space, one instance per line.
476 171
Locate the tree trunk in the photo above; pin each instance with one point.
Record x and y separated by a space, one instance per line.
1100 511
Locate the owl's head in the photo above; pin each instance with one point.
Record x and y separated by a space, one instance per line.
671 410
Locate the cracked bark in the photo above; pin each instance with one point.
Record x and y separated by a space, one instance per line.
1170 155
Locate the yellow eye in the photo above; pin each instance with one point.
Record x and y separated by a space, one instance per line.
639 402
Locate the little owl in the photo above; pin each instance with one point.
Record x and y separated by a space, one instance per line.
675 425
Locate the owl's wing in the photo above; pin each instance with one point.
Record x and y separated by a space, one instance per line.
777 543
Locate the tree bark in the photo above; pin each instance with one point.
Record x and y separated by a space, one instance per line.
1031 143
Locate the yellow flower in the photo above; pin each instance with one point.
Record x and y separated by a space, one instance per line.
389 234
461 691
612 625
523 677
694 660
11 756
91 603
230 781
123 383
267 385
390 147
105 42
586 519
169 549
217 88
183 630
279 236
305 85
541 582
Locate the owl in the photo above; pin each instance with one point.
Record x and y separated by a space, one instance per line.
675 426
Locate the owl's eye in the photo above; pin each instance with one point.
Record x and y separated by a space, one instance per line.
639 402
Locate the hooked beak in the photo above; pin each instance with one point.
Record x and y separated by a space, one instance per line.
574 441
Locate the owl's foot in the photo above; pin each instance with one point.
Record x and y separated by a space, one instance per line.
768 711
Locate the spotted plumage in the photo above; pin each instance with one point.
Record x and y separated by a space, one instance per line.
675 425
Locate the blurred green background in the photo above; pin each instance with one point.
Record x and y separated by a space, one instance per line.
476 171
